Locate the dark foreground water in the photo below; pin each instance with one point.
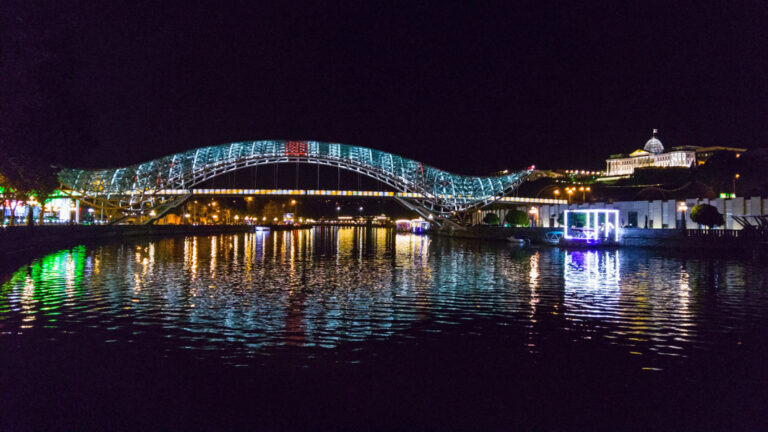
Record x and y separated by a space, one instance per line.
348 329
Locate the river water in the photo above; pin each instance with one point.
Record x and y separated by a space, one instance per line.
366 329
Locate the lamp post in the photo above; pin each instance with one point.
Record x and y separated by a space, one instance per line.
533 212
735 177
682 207
294 203
584 192
569 191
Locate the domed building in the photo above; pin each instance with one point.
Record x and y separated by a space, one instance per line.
653 145
651 155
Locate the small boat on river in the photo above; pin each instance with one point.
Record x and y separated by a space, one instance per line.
517 241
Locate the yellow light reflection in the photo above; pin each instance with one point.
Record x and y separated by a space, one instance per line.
214 251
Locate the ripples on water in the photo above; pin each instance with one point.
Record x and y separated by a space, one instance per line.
246 294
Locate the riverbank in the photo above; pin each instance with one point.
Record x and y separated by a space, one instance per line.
630 237
22 242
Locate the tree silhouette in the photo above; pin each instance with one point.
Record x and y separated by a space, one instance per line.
491 219
705 214
517 217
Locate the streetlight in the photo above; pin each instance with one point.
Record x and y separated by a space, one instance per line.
682 207
533 212
584 191
295 205
735 177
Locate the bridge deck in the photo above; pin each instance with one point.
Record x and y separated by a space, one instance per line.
335 193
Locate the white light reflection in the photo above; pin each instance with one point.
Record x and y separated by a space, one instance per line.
591 283
28 304
214 245
533 283
236 248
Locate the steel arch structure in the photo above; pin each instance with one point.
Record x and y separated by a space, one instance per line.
135 188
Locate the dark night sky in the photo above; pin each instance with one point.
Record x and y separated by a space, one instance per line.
466 88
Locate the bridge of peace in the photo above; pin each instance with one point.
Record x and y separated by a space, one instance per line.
144 192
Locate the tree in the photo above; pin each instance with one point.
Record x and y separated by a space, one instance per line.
718 171
517 217
12 194
705 214
752 167
23 178
4 190
491 219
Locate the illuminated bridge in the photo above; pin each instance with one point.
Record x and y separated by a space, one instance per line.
143 189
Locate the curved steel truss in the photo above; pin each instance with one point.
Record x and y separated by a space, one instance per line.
135 188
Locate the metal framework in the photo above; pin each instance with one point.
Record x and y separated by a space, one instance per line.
135 189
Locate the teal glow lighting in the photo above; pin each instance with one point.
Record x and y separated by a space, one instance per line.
438 192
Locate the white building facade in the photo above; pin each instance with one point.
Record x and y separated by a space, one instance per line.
657 214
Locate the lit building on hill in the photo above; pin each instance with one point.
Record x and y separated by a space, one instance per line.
651 155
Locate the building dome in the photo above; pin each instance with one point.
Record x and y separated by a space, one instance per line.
653 145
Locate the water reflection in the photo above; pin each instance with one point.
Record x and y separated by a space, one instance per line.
324 287
591 283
